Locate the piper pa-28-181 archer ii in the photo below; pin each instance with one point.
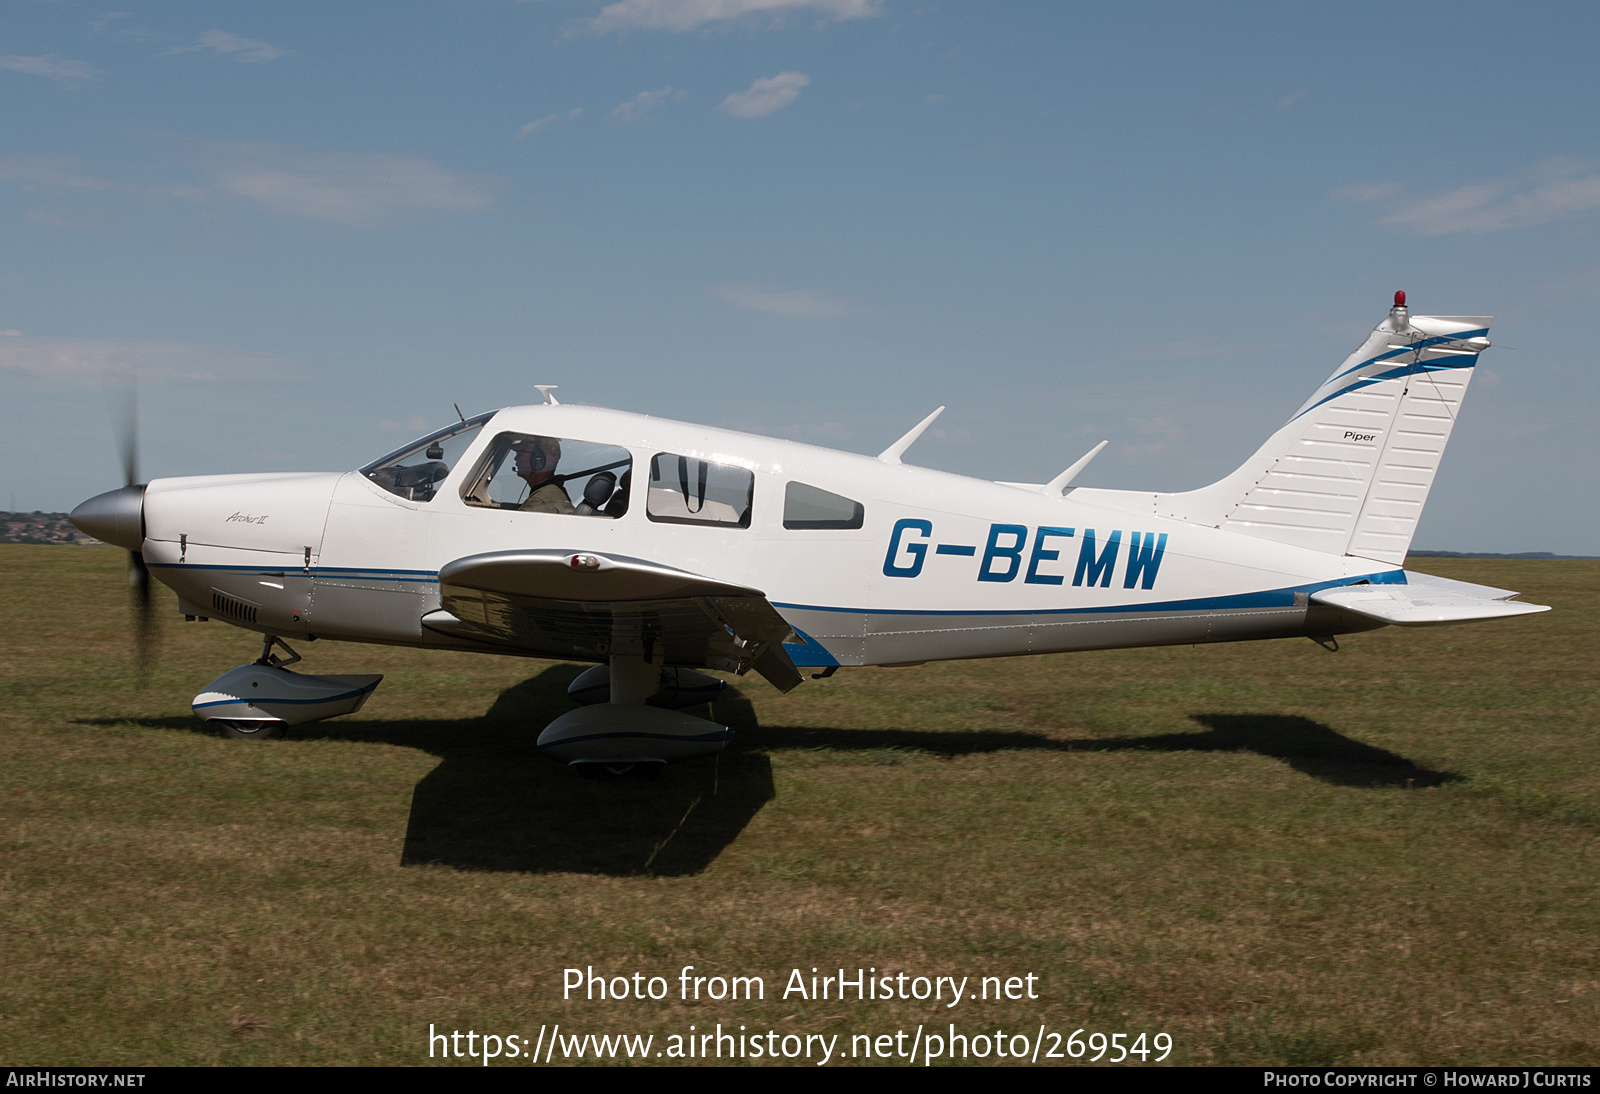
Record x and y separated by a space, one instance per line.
656 549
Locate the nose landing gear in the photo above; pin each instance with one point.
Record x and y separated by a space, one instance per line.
260 700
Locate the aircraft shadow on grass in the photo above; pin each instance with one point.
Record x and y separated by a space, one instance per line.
495 803
1309 747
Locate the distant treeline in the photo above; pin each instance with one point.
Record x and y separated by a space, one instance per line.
40 528
1491 554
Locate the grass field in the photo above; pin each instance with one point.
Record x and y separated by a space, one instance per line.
1275 854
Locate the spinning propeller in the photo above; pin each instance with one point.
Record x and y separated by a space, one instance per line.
126 425
117 517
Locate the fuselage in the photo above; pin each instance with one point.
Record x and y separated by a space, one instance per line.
941 566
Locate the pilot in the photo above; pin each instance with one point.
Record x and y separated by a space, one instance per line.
536 465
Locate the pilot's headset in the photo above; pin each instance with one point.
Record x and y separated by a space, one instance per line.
534 449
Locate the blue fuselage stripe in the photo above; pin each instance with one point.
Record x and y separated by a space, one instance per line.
369 573
1265 598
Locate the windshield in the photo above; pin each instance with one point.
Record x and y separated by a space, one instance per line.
415 471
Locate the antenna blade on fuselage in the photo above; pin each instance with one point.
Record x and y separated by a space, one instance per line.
1056 485
893 453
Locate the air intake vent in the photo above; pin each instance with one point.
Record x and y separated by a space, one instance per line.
227 605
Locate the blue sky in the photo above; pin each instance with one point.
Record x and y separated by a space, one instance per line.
311 228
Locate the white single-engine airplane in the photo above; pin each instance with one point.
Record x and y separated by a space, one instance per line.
655 548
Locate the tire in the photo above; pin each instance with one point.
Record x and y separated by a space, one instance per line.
615 772
263 730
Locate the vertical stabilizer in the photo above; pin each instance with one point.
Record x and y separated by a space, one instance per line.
1351 470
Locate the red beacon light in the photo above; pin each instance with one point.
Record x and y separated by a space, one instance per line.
1399 320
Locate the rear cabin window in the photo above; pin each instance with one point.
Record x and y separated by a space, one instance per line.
813 507
686 490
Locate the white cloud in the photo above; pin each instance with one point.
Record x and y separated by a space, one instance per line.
540 123
688 14
91 360
1202 347
796 303
1556 188
359 188
1366 191
49 173
641 105
71 218
765 96
1156 435
536 125
73 75
222 41
1290 99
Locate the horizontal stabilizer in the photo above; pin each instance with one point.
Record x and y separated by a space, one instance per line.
1429 602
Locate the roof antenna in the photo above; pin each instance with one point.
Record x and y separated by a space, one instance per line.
545 390
1058 485
893 453
460 415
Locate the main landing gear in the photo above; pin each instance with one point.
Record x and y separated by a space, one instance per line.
627 734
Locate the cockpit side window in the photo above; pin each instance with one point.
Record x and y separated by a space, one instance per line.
815 508
531 473
415 471
686 490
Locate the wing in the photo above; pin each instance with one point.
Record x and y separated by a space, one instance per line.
1426 600
588 606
